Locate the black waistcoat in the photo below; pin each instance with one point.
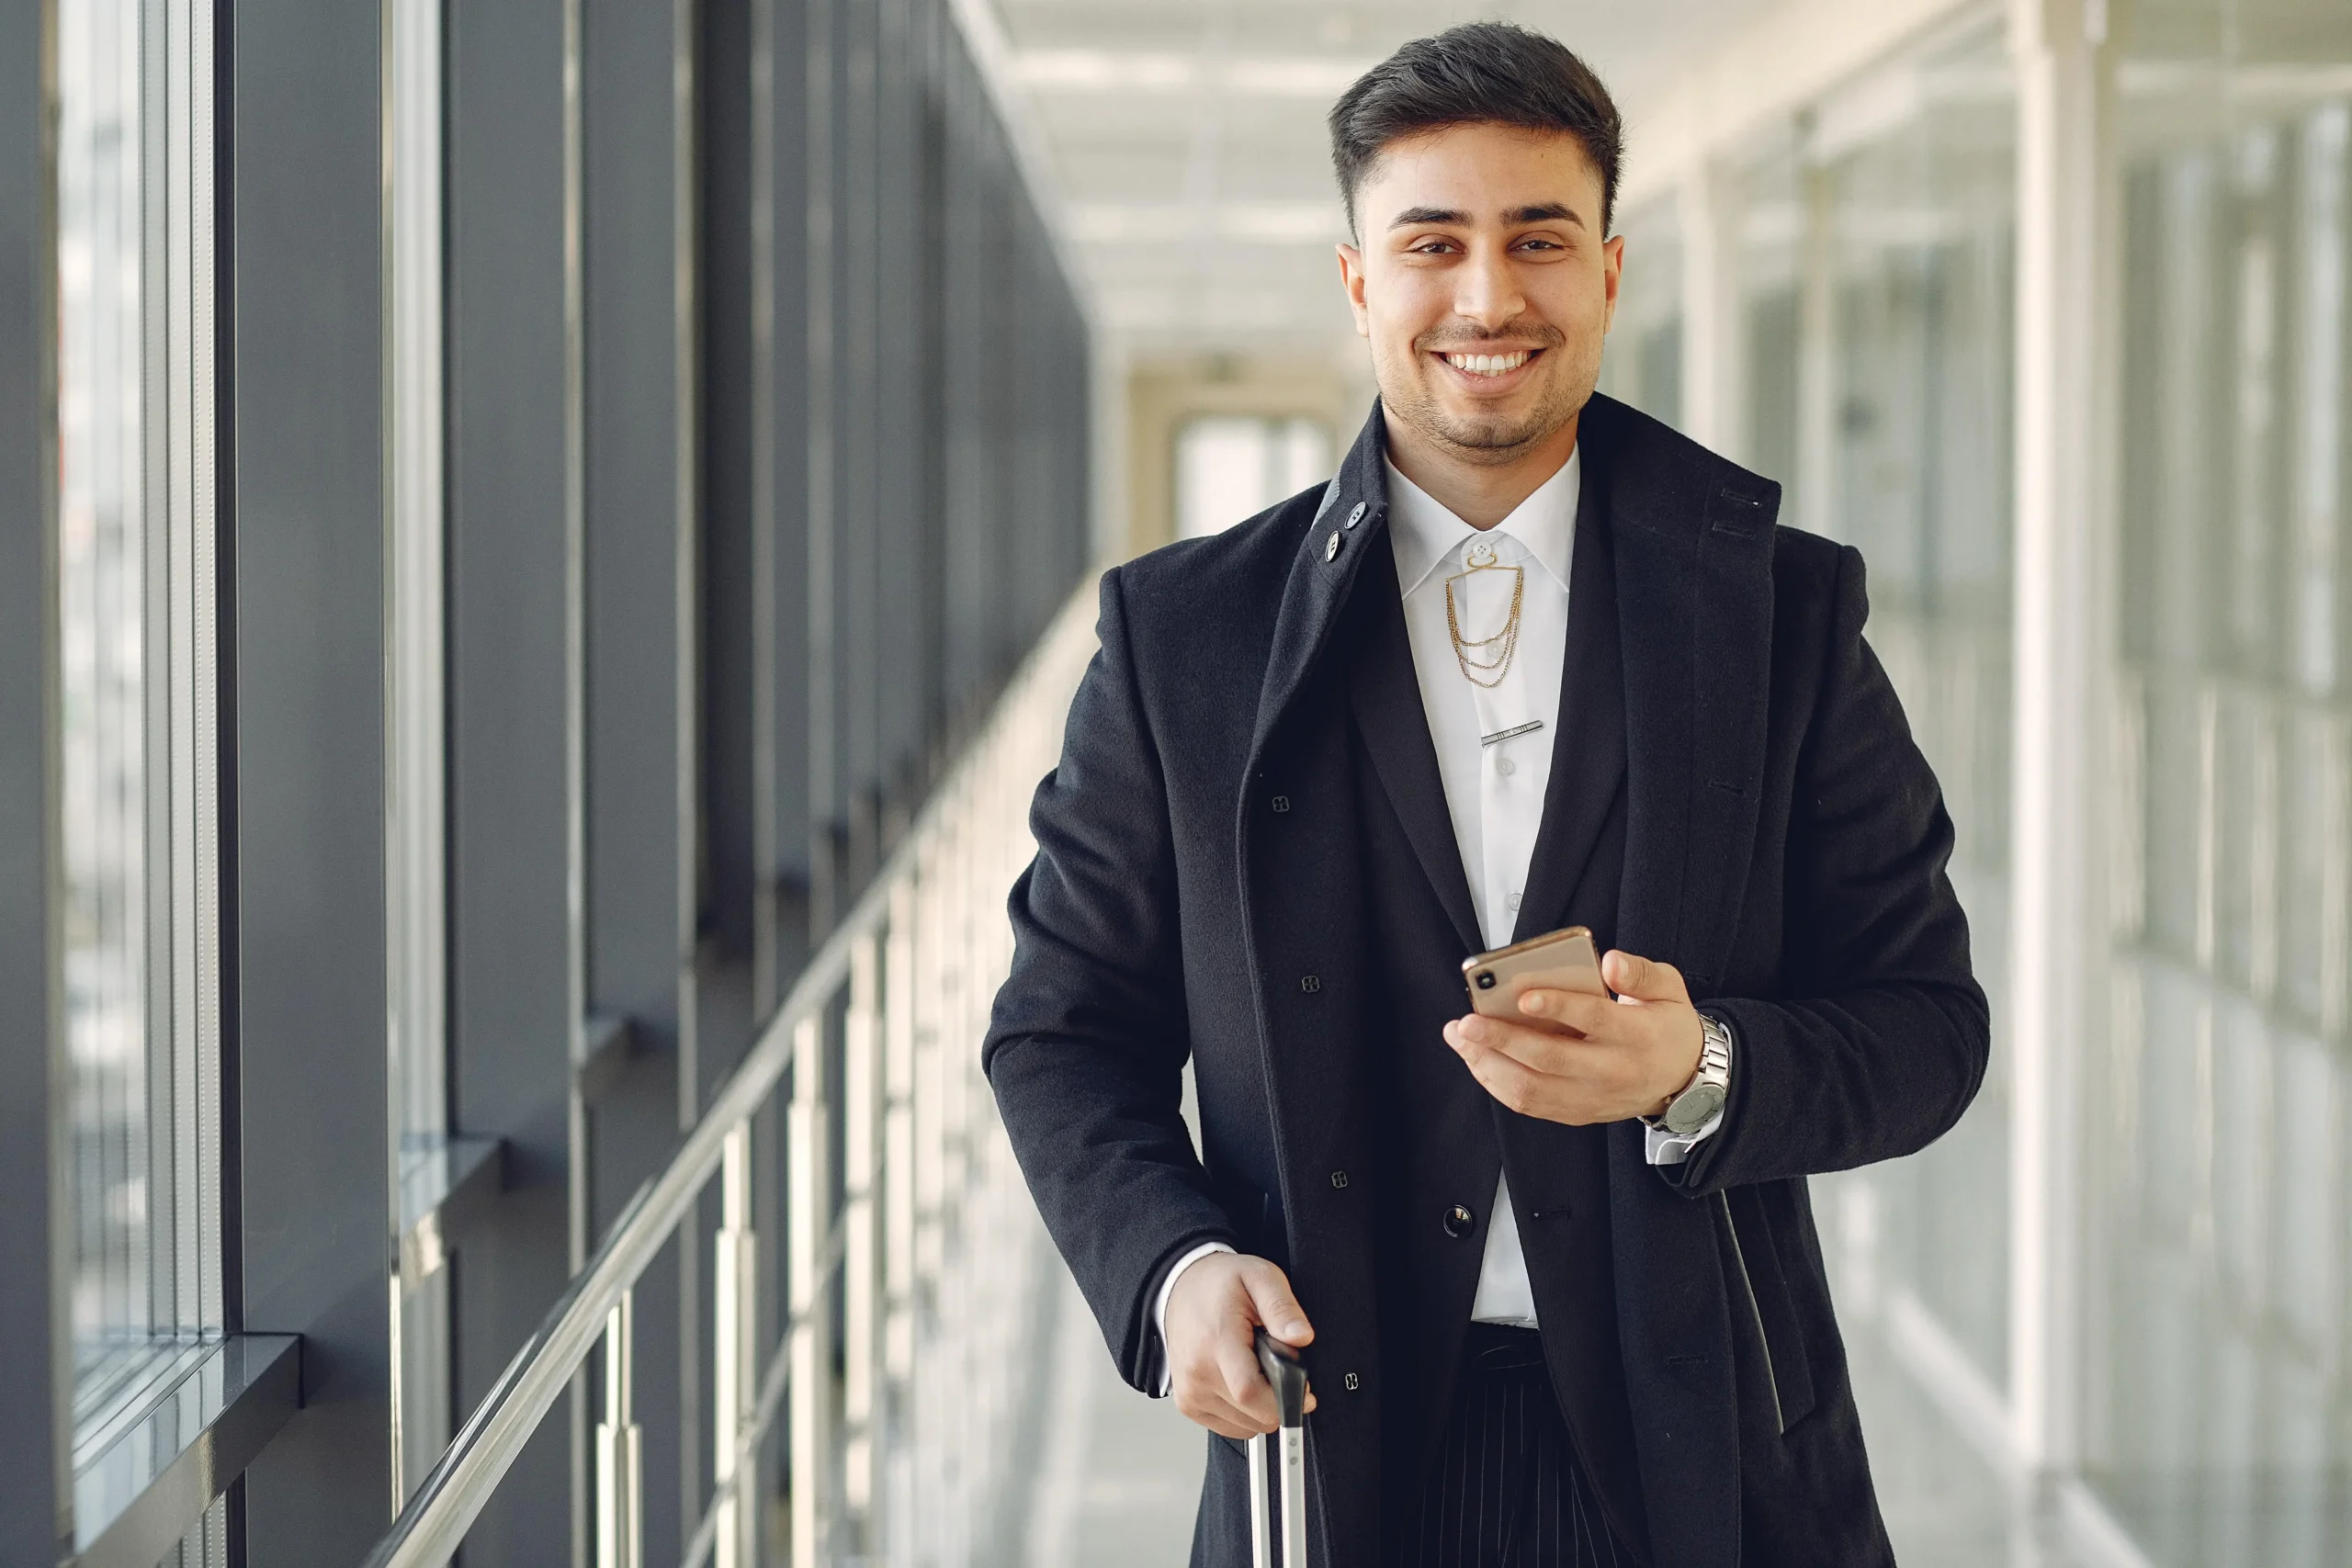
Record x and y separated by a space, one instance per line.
1441 1137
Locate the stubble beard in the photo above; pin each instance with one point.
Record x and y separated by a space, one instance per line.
1502 437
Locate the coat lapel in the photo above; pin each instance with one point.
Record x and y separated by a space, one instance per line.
1328 556
1694 572
1695 604
1588 747
1386 692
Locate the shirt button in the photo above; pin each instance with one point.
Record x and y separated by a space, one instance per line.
1460 1222
1513 901
1505 766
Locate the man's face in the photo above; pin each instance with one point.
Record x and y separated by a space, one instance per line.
1484 283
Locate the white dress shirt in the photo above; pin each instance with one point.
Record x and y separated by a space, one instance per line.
1493 792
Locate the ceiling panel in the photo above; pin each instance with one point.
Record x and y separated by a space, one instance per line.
1185 145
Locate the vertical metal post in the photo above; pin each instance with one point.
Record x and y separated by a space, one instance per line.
1261 1503
861 1256
2063 647
899 1127
36 1229
735 1274
1714 372
892 1523
620 1460
809 1167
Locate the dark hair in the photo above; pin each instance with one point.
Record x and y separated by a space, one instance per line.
1480 73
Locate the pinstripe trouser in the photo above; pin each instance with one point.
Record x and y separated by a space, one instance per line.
1507 1491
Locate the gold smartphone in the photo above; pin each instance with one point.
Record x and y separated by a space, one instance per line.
1556 961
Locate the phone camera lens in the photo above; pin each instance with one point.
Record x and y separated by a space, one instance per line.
1486 979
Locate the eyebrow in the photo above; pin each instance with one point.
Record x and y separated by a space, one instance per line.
1542 212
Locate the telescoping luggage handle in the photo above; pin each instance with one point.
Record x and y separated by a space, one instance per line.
1283 1369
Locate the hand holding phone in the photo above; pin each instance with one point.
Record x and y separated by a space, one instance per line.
1556 961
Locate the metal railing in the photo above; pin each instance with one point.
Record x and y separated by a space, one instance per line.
914 1263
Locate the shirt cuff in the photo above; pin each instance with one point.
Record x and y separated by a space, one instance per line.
1159 1307
1673 1148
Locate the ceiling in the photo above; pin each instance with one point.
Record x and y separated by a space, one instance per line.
1184 147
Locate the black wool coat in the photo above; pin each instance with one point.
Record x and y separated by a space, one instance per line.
1783 845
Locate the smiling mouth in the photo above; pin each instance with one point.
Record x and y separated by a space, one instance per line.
1490 364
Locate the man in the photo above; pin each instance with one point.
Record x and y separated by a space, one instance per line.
1531 660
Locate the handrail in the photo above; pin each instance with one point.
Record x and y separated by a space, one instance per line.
453 1495
432 1524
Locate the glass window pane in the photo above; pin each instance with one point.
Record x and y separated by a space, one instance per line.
2217 1423
101 561
136 595
1876 273
1644 363
1231 468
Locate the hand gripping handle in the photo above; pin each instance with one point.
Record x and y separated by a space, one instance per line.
1283 1369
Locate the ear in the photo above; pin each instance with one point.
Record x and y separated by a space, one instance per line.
1351 278
1612 274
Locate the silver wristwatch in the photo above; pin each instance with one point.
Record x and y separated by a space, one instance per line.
1709 1086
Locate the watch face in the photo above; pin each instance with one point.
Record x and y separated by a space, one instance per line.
1692 1106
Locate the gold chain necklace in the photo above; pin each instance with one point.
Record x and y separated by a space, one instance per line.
1474 654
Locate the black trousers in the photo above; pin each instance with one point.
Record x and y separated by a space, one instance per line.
1507 1490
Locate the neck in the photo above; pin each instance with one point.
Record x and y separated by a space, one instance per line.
1478 488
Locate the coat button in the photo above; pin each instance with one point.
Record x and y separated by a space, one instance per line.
1282 803
1332 546
1460 1222
1338 1179
1356 516
1353 1381
1310 982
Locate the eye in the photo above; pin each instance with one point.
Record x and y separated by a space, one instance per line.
1432 246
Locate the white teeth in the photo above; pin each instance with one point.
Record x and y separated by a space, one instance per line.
1487 364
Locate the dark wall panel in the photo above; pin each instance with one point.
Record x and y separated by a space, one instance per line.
513 991
35 1361
310 759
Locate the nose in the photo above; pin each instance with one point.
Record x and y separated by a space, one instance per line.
1487 290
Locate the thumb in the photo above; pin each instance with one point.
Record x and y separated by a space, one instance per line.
1275 1306
1644 980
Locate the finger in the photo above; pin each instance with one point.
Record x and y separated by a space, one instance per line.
1578 1012
1271 1298
1540 1049
1246 1388
1200 1395
1514 1083
1203 1406
1649 979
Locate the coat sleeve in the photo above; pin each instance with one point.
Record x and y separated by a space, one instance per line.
1879 1035
1087 1044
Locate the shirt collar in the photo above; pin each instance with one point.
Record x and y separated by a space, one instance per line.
1424 535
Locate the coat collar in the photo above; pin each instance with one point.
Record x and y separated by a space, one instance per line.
1424 533
1354 511
1691 536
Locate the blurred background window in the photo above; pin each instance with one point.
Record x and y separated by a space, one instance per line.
136 625
136 605
1896 425
1231 468
1643 365
2218 1422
